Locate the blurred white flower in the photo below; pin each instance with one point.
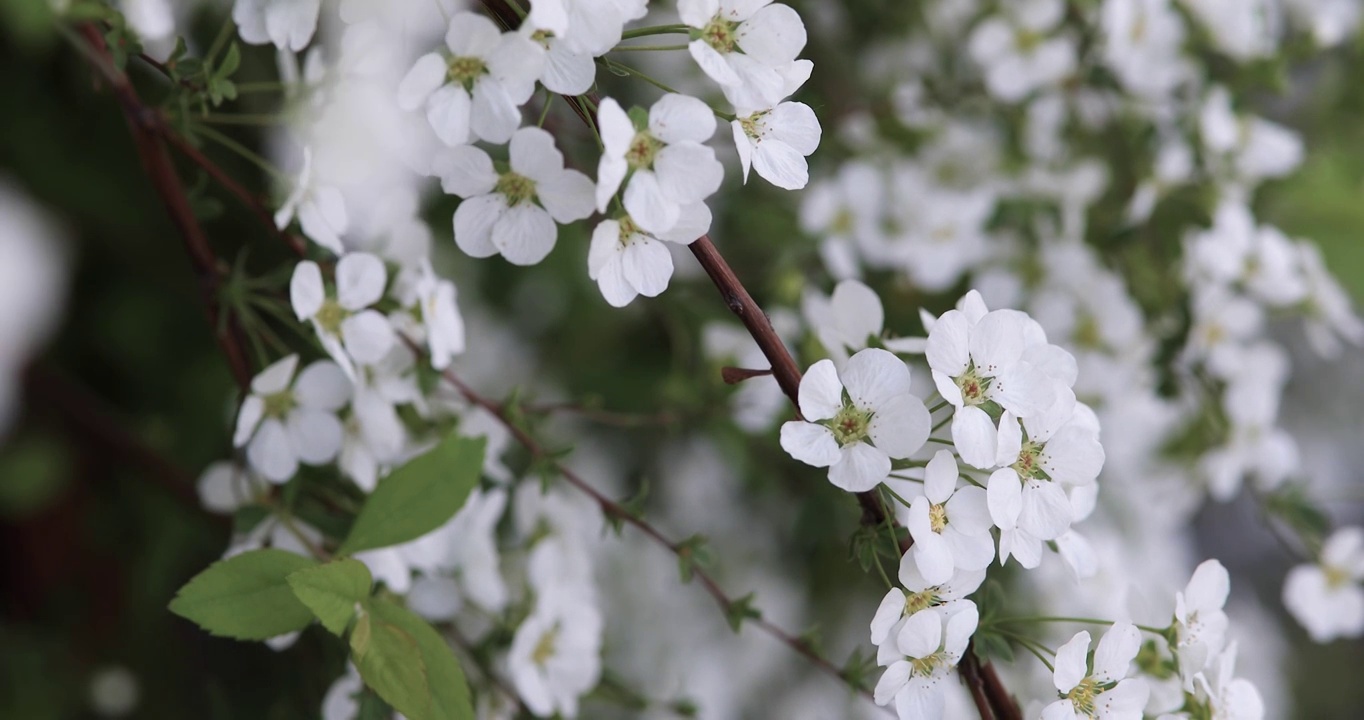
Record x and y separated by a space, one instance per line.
477 89
1327 598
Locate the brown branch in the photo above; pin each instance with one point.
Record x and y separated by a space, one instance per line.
999 699
143 123
247 198
614 510
784 367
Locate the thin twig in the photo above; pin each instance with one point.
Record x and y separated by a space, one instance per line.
614 510
496 680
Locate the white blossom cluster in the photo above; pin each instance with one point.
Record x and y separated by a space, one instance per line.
992 192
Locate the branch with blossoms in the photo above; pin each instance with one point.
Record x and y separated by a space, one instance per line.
370 487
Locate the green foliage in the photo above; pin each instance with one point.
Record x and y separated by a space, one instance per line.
692 553
1292 505
859 669
27 22
989 645
390 662
246 597
33 473
740 610
332 591
419 496
407 663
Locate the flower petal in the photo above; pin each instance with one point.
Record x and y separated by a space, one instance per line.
861 468
809 443
524 234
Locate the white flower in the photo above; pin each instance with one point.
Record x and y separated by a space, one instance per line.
588 27
749 47
1143 41
1330 315
918 595
1330 21
776 142
1251 148
1261 259
944 235
856 439
950 525
627 262
1230 697
1028 494
226 486
289 24
1016 51
845 213
440 316
929 646
341 701
477 90
349 329
1200 622
846 320
320 209
1243 29
565 71
460 560
1106 691
555 657
669 167
1223 322
978 356
375 436
1327 598
514 213
286 421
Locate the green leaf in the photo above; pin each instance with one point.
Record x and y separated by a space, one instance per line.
449 690
246 597
741 610
231 62
332 591
391 664
419 496
988 645
692 553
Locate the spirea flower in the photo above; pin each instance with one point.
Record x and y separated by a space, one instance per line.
749 47
776 142
977 357
513 213
668 165
1200 623
289 24
555 657
950 525
929 645
918 595
285 421
628 262
349 328
856 437
475 90
320 209
1099 688
1327 597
